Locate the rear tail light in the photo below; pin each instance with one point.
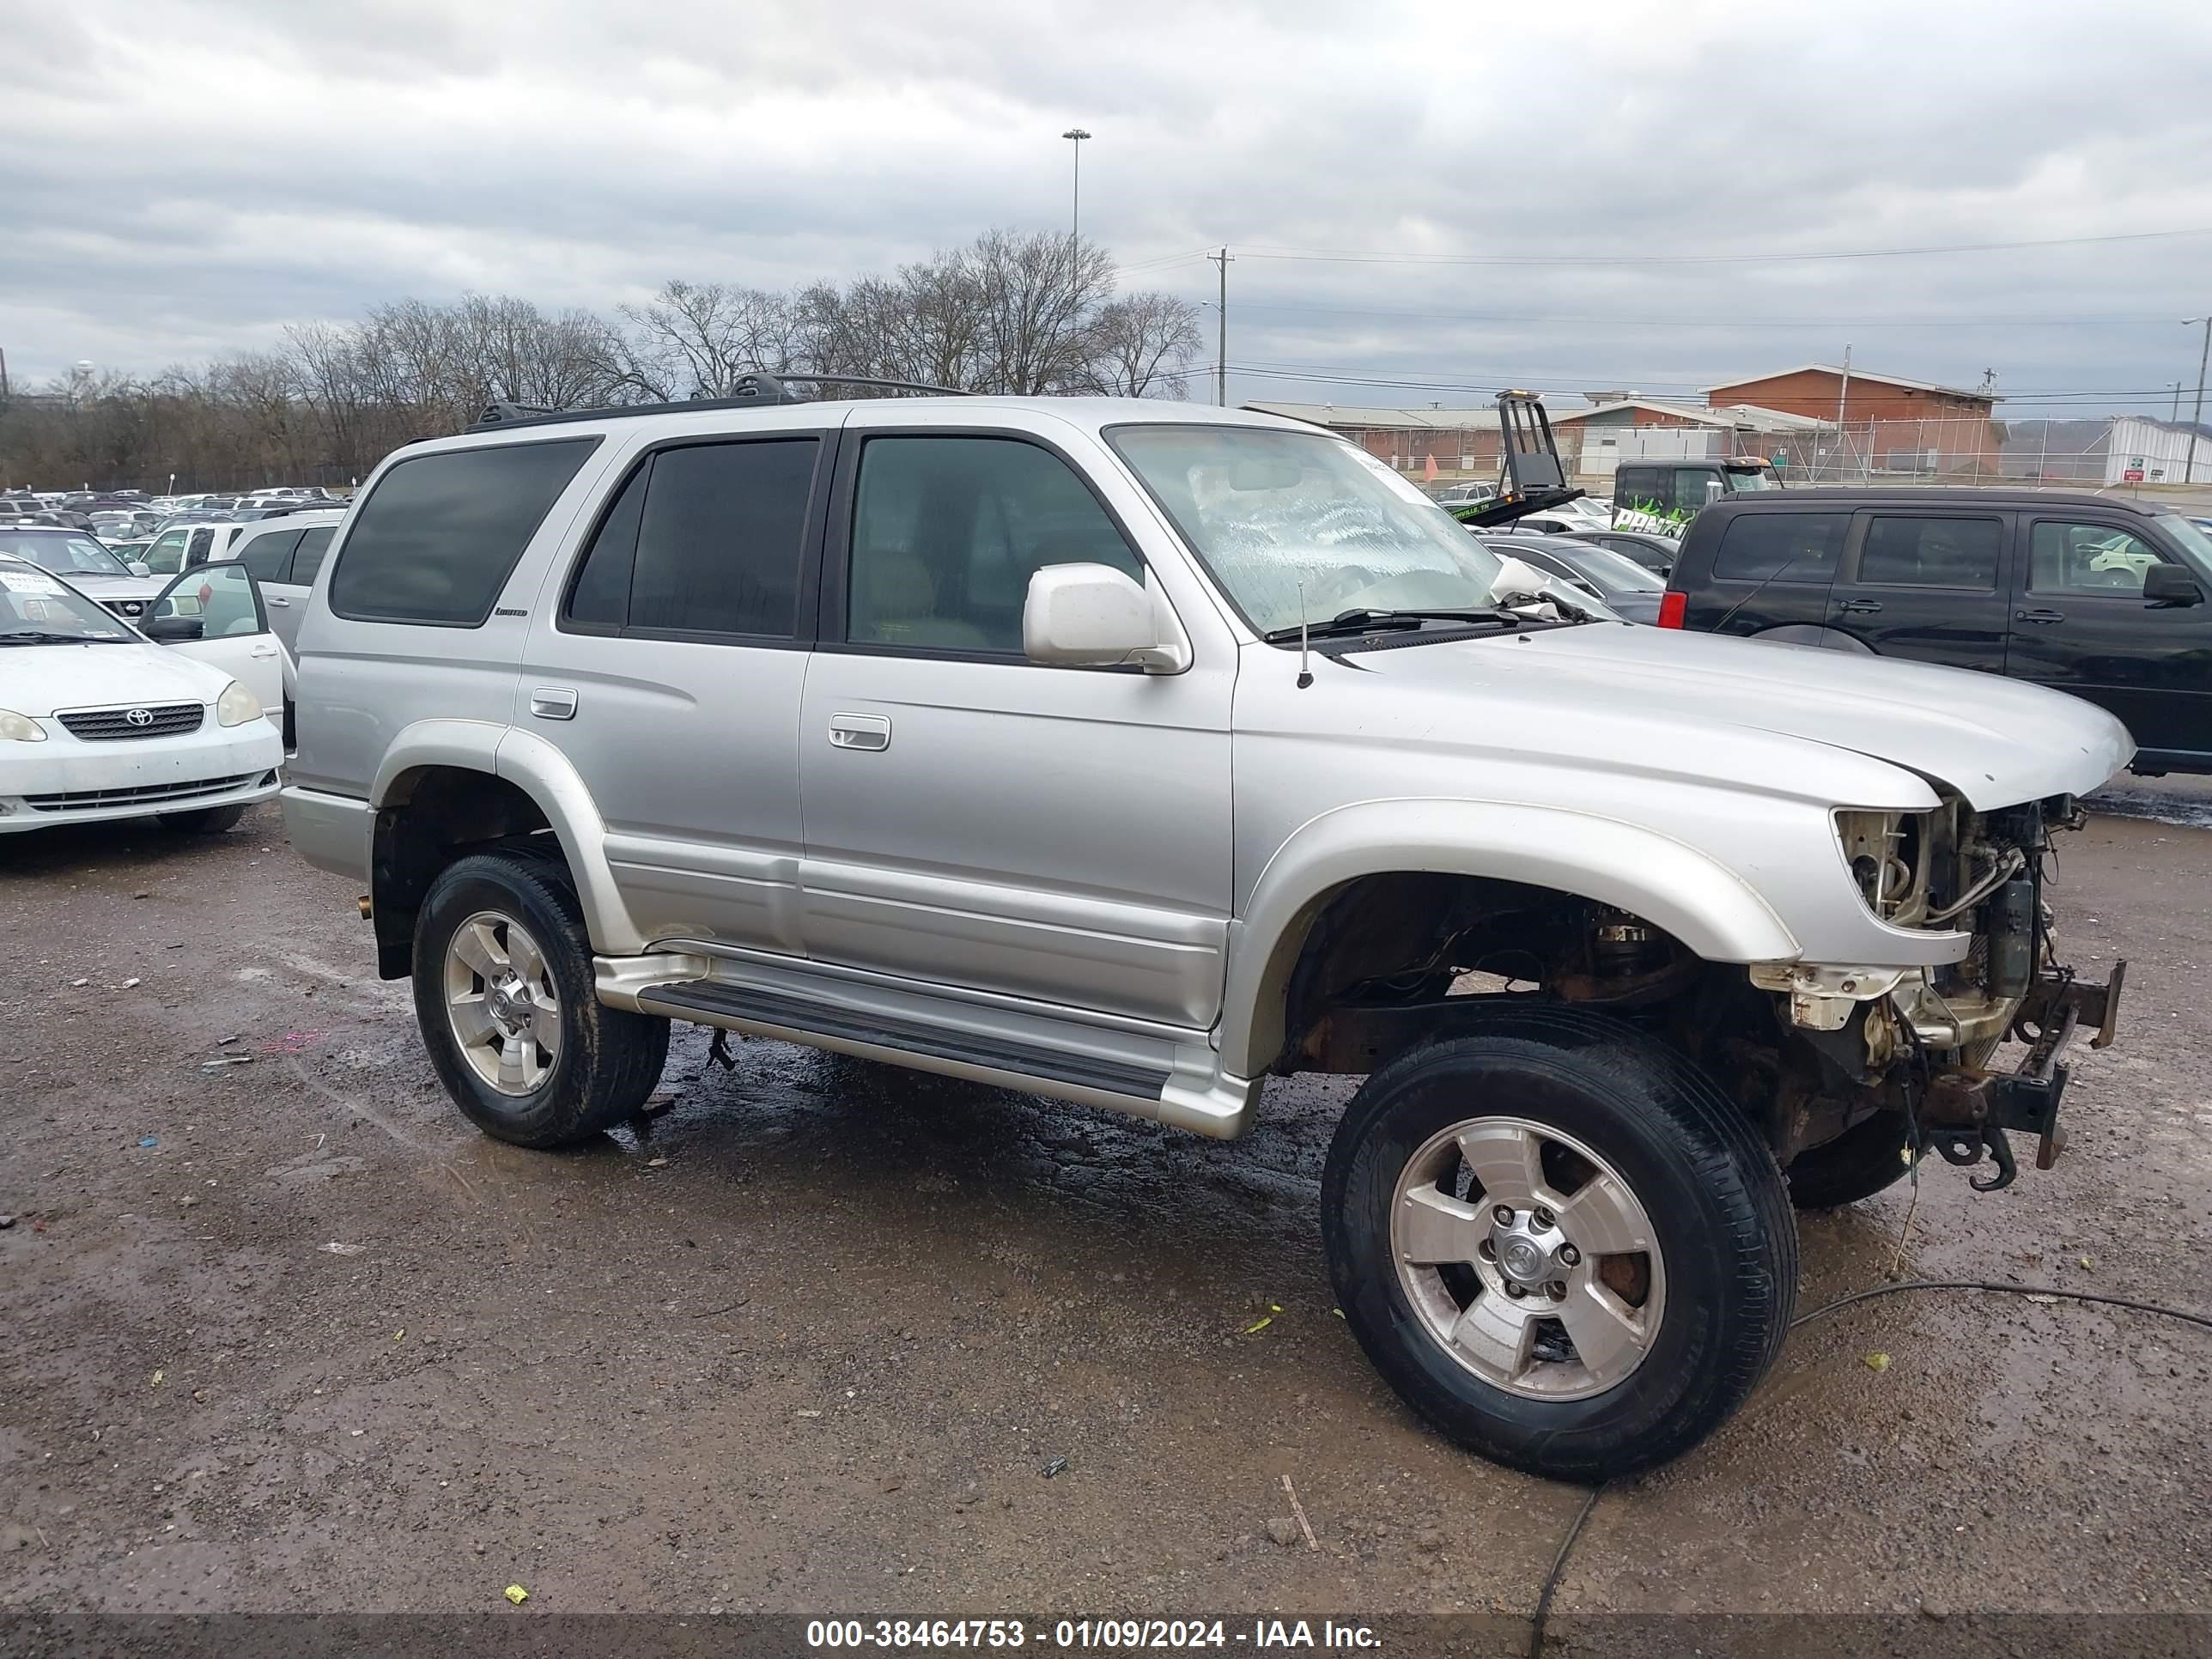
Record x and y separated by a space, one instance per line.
1672 606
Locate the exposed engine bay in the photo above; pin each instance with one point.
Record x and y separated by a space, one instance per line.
1811 1050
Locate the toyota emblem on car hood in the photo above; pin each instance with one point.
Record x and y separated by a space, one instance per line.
139 717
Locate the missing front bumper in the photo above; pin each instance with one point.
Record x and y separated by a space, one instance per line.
1966 1111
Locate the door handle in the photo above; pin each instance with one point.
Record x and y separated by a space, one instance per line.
285 603
1861 607
263 651
860 731
554 703
2042 618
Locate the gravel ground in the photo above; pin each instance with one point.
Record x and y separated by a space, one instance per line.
288 1334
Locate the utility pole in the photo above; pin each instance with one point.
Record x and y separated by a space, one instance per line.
1843 397
1075 207
2196 420
1221 346
2174 419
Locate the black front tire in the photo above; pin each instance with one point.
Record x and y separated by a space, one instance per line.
207 821
609 1059
1714 1196
1863 1160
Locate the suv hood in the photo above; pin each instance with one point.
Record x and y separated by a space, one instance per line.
1649 699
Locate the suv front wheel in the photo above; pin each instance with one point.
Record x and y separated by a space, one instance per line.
1559 1241
504 996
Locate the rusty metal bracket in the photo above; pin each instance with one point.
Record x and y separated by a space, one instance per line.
1973 1110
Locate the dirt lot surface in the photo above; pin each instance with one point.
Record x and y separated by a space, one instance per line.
289 1334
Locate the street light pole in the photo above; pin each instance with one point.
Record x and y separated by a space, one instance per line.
1075 207
2196 420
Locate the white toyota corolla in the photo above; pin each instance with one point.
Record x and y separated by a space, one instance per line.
98 721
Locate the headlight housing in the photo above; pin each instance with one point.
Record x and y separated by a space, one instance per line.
237 705
20 728
1889 856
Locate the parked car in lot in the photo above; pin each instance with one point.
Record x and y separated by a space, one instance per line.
98 722
2100 596
1627 588
188 541
284 554
1467 494
1663 496
1132 752
121 586
1656 554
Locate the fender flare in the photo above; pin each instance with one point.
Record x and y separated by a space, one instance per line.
542 772
1673 885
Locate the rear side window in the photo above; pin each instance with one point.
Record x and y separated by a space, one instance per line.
268 557
1916 552
1780 547
705 538
1643 488
439 534
314 544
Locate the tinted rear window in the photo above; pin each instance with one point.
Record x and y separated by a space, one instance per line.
268 556
438 537
1781 547
703 540
309 559
1917 552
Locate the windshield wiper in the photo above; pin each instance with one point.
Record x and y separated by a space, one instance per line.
37 637
1369 622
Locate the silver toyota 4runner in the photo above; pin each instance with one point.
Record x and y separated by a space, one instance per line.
1131 753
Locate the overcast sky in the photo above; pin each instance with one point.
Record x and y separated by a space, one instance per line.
179 180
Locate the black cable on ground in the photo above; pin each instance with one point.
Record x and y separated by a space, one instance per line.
2101 1300
1558 1566
1581 1519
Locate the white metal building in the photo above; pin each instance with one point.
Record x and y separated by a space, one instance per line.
2158 450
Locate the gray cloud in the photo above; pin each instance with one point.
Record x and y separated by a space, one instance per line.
177 180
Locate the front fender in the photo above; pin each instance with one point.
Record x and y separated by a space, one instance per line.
1706 906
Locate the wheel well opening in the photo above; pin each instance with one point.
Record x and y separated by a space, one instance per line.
1392 959
432 817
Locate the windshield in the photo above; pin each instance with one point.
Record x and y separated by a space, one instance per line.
72 556
1283 519
2195 542
1610 572
1743 480
36 610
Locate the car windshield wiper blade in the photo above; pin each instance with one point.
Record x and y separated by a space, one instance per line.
1368 622
36 636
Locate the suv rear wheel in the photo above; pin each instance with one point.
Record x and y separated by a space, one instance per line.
503 994
1560 1242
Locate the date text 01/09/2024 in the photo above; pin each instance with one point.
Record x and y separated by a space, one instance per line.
1112 1634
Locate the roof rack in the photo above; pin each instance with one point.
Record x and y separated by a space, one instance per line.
753 391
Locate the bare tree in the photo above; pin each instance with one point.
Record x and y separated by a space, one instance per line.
698 339
1143 346
1008 313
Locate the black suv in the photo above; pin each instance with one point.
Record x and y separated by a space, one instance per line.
2098 595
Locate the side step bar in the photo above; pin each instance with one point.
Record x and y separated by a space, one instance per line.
709 999
1172 1077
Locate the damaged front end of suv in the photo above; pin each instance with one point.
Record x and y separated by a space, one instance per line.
1885 1063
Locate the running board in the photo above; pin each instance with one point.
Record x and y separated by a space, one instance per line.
1174 1081
748 1006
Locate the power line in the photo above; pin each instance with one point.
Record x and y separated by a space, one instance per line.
1992 319
1371 256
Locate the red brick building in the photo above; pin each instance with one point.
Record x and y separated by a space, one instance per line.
1897 419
